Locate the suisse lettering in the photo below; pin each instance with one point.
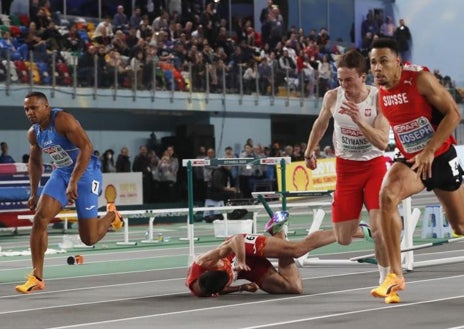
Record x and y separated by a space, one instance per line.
397 99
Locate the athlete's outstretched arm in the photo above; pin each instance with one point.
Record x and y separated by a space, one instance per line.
319 127
234 245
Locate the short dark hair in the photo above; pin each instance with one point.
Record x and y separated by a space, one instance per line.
37 94
386 43
212 282
353 59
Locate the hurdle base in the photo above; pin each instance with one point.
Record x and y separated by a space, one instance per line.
152 241
187 239
317 261
126 243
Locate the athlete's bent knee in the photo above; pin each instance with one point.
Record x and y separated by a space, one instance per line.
388 199
344 241
88 241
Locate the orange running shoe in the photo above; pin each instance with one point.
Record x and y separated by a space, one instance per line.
392 298
390 285
117 223
31 284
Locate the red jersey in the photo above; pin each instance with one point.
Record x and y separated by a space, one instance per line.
196 270
254 246
413 120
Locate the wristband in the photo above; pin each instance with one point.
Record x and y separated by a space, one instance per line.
310 157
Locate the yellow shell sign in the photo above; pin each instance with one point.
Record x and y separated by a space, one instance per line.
300 178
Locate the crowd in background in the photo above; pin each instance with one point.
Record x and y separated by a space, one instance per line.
160 172
194 51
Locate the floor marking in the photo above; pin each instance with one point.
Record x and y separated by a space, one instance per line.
351 312
246 304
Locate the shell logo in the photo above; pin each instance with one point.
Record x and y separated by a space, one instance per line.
300 178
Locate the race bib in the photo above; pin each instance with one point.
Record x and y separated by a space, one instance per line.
414 135
59 156
353 140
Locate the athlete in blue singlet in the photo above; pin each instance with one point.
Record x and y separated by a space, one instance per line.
77 179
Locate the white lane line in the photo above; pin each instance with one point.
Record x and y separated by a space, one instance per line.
334 315
96 287
89 324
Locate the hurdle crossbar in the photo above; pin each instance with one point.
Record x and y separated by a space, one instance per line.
274 194
153 213
416 247
410 221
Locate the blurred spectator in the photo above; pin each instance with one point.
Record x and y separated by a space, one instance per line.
119 43
369 25
142 163
210 22
322 41
221 188
198 73
7 43
72 40
263 17
5 157
115 68
161 22
275 151
167 175
249 77
123 163
35 43
265 76
132 41
207 170
42 20
144 30
387 29
403 38
136 70
136 18
287 64
246 172
318 153
107 160
329 151
229 154
199 184
211 59
54 39
288 150
325 74
276 27
103 33
297 154
86 68
120 20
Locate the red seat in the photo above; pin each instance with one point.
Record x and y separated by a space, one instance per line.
23 73
63 73
15 31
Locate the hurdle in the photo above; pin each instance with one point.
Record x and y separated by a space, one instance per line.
410 217
190 163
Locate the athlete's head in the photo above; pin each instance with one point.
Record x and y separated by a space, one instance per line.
212 282
38 95
351 71
353 59
36 107
385 62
